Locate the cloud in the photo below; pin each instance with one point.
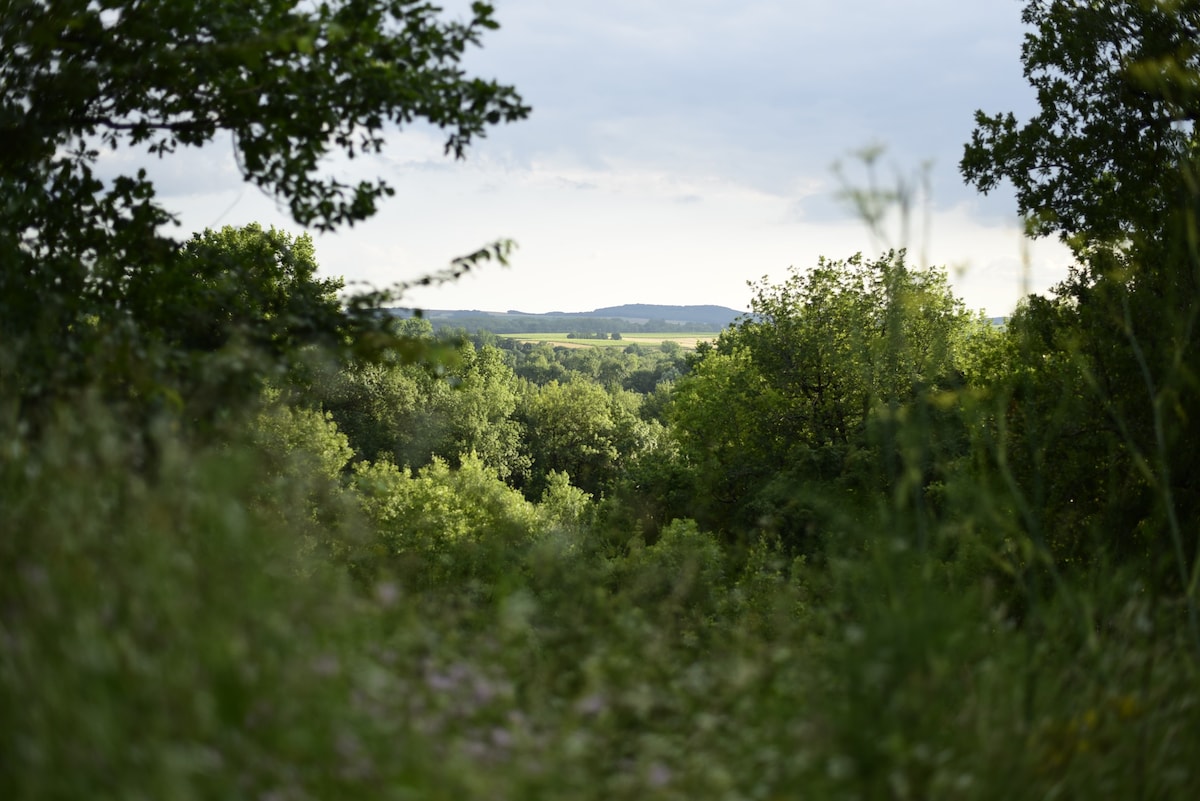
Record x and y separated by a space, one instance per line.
767 79
678 149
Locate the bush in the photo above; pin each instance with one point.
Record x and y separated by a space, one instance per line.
168 636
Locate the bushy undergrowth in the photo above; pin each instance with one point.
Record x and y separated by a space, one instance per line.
180 635
168 636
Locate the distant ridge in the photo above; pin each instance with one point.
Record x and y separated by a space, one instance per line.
646 316
681 314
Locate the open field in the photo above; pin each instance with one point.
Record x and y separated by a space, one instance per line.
686 340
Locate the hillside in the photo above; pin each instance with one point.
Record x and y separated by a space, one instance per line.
720 316
625 318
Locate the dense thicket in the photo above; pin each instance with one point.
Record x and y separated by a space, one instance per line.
257 542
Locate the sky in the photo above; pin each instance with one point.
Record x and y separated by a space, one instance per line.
679 149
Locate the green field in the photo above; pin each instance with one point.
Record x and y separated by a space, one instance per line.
687 340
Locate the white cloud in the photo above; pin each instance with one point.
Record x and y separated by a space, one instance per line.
676 150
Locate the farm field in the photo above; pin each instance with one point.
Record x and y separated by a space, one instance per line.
686 340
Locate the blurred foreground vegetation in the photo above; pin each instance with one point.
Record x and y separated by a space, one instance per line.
261 542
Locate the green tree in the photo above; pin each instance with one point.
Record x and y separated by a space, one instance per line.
718 414
1118 102
581 429
246 283
442 525
481 411
303 456
569 430
539 363
409 414
585 361
381 408
809 388
302 441
290 83
236 306
614 367
1109 163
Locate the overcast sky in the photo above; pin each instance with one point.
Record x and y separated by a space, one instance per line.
680 148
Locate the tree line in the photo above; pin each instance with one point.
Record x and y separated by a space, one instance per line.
579 325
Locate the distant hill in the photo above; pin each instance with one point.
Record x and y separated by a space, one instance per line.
713 315
627 318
